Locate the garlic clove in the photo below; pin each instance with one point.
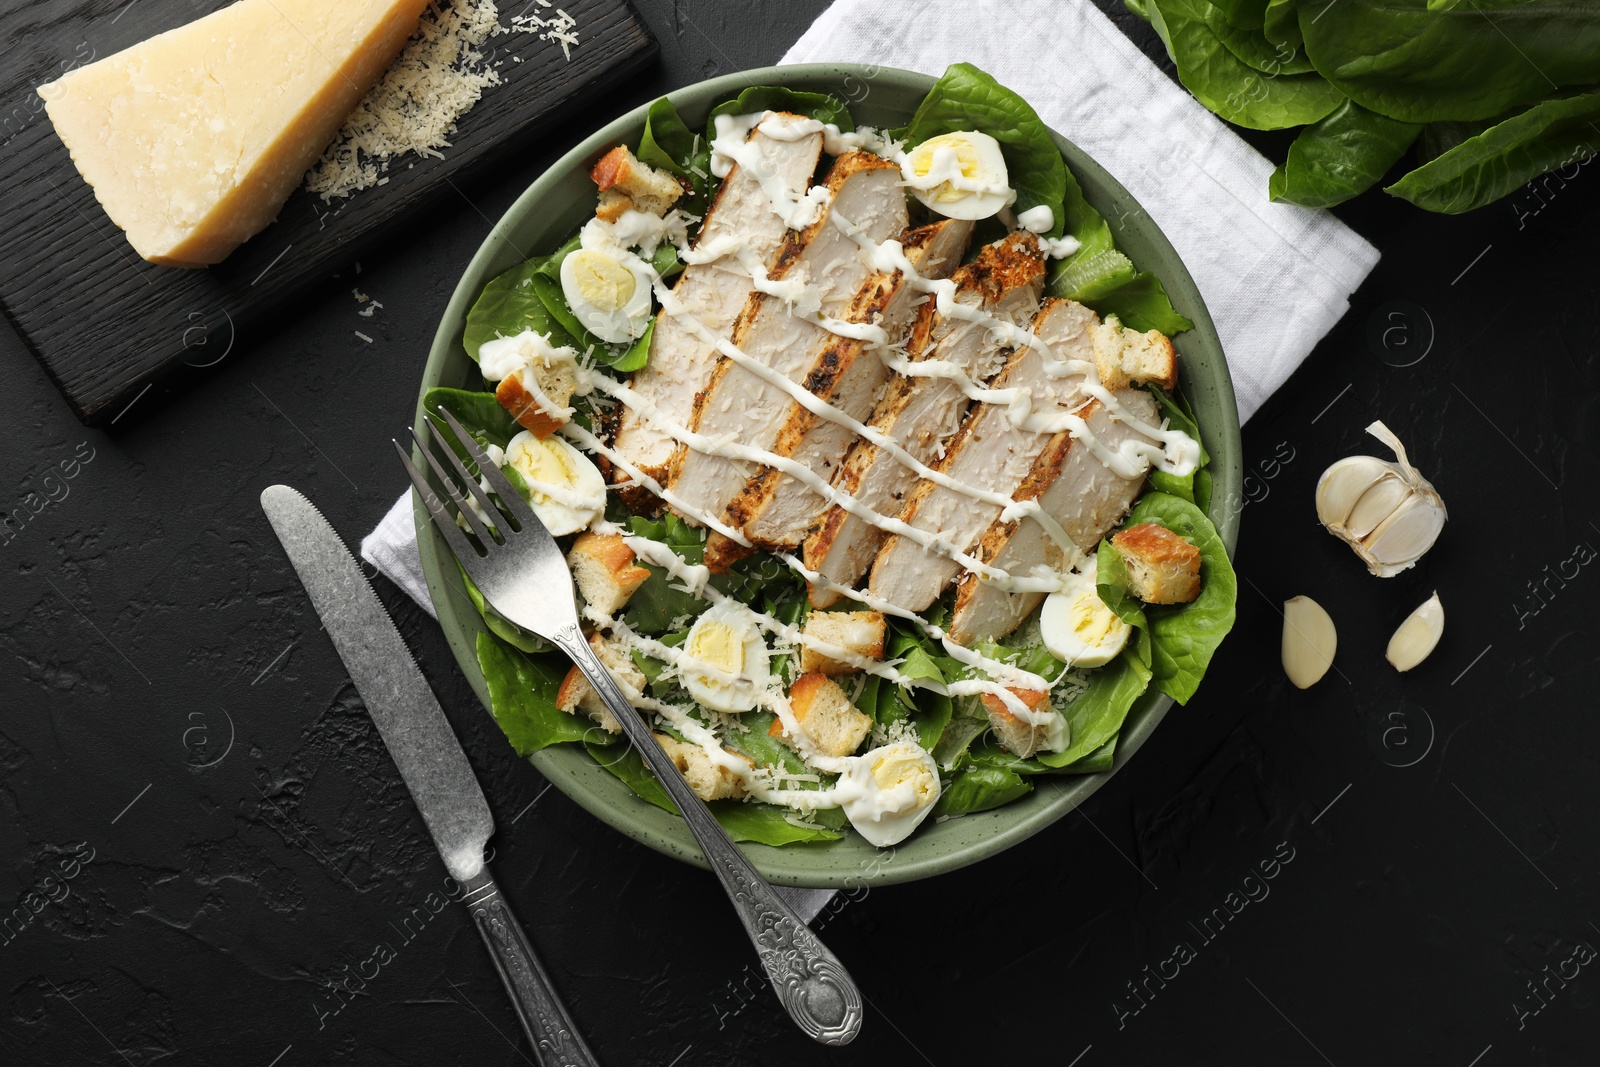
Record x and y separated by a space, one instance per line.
1417 637
1376 504
1344 483
1403 538
1309 641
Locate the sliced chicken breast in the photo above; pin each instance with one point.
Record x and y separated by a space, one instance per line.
1074 487
921 414
775 510
714 293
826 267
992 454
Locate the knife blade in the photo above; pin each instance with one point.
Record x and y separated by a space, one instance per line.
429 758
397 696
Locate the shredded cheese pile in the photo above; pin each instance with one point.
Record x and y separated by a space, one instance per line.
438 78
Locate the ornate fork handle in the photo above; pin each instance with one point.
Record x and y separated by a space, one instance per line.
555 1037
809 980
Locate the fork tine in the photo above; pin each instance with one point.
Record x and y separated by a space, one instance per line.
510 500
478 492
443 520
480 528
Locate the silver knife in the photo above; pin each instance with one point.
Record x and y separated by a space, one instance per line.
429 758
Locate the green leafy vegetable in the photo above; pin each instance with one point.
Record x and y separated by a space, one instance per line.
1506 156
1468 61
966 98
1103 278
508 305
1243 33
1184 636
1232 88
759 98
1098 712
1179 417
522 699
479 412
977 788
764 824
1341 156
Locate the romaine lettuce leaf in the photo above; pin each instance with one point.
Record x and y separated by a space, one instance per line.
966 98
1340 157
1184 636
1098 712
522 698
979 788
745 821
508 305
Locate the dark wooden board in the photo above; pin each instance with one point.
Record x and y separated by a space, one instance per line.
105 324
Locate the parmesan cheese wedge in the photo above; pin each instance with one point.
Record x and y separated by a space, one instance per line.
194 138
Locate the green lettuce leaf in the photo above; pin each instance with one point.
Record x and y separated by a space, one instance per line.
1098 712
509 304
979 788
1341 156
1185 636
1506 156
758 98
1179 416
1456 62
1227 85
522 699
745 821
1241 27
966 98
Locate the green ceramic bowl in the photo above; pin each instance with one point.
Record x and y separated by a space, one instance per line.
555 205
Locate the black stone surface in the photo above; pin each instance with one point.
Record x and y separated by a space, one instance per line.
208 843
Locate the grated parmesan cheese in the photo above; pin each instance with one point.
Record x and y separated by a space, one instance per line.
437 79
439 76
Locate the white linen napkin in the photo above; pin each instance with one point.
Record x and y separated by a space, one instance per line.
1275 277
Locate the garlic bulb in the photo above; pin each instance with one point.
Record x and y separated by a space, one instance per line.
1387 512
1309 641
1416 638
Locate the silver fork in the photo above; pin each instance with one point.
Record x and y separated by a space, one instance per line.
524 576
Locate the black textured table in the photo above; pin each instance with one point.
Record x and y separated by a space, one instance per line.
209 859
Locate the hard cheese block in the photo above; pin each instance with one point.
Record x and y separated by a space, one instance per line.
194 138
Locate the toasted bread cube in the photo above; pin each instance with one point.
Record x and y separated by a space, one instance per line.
1163 568
542 409
621 177
832 724
605 572
709 779
862 633
1014 734
577 695
1123 356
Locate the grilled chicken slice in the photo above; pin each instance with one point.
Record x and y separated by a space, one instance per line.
825 265
921 413
714 293
775 510
991 454
1074 487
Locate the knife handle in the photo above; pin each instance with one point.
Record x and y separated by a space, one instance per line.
555 1037
810 982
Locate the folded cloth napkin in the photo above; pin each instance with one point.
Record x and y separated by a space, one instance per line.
1275 277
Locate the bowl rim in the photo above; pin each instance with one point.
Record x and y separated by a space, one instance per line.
777 864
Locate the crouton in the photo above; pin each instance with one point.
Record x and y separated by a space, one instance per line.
860 632
545 407
831 723
1123 356
1163 568
577 695
709 779
605 572
625 183
1014 734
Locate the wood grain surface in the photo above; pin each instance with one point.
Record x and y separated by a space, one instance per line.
108 326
